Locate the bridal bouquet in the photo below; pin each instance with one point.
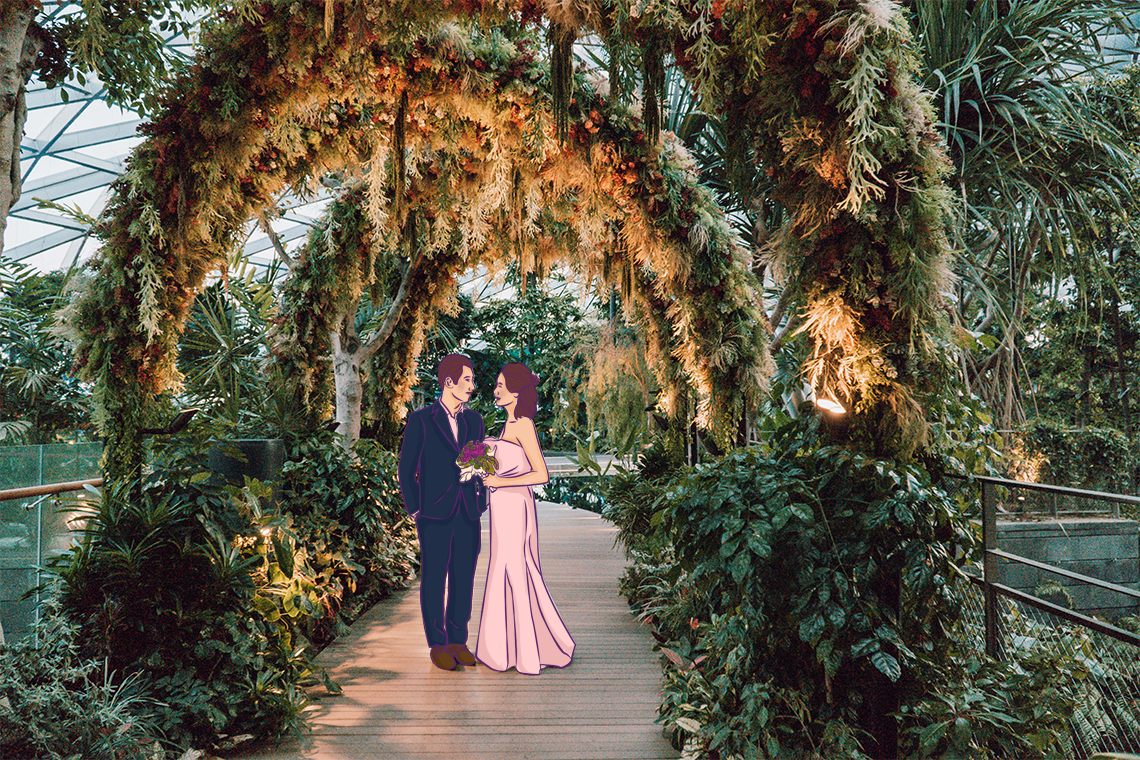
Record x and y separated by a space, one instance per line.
475 456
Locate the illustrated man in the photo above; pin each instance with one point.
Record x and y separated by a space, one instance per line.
446 511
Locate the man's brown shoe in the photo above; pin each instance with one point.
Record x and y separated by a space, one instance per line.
462 654
442 659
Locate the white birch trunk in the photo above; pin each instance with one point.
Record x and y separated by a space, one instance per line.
347 361
350 354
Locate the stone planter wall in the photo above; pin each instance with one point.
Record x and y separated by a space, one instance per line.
1105 549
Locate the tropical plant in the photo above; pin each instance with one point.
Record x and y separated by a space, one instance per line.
224 353
799 594
194 590
1031 147
57 704
1016 709
40 399
635 496
1081 360
348 516
585 492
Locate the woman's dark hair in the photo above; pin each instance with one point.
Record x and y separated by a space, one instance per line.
519 379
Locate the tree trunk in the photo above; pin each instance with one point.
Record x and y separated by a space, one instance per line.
20 44
346 360
1009 386
1124 392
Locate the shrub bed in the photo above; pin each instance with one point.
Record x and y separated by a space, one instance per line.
585 492
61 705
808 603
209 605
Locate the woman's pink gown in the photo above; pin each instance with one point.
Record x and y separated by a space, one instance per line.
519 626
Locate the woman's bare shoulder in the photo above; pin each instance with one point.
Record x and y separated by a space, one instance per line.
520 430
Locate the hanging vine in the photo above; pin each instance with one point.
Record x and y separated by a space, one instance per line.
561 76
653 82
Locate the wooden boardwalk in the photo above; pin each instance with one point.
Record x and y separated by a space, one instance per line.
397 705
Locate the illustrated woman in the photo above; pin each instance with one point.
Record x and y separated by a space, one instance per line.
519 626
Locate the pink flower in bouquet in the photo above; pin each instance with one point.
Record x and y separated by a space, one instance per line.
476 456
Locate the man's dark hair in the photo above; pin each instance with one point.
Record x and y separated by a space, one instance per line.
451 367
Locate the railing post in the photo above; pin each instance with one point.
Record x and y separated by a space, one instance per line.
39 553
991 572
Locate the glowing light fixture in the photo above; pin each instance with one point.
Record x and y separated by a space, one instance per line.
827 402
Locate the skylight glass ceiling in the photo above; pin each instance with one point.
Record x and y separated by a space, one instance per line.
72 151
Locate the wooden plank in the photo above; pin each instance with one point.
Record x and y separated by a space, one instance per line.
600 707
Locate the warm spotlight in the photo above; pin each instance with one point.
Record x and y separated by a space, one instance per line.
829 404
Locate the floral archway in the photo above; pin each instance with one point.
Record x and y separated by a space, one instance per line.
622 210
824 91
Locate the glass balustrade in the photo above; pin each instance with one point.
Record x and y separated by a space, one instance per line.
35 529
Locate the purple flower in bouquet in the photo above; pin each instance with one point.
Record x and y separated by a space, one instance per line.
475 456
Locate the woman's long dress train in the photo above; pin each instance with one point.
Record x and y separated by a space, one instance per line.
519 626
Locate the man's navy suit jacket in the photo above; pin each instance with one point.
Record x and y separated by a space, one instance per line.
429 452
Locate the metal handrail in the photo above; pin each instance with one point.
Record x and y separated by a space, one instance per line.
1067 573
991 568
1118 498
49 489
1062 612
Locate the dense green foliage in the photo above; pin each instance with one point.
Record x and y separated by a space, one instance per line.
838 562
215 602
122 42
175 581
1092 458
1042 131
40 401
223 355
349 514
1081 361
540 329
1083 358
63 705
795 588
577 492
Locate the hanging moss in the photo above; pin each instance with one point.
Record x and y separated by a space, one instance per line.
657 228
399 158
653 82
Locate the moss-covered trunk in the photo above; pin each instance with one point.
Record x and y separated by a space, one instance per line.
20 44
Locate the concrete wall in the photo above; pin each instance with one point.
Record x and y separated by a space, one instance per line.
1105 549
